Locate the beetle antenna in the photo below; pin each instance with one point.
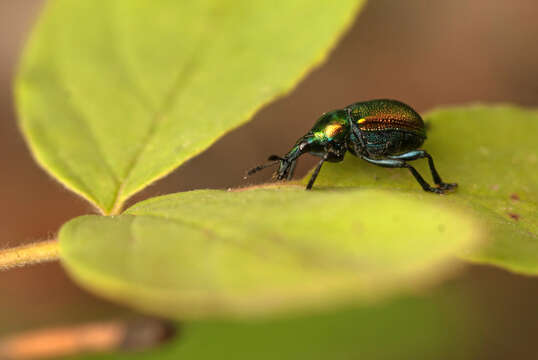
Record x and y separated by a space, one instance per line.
260 167
274 160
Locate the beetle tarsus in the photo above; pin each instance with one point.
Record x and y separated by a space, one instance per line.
447 186
435 190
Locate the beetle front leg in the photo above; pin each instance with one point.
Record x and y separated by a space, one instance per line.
287 165
419 154
291 170
285 170
394 163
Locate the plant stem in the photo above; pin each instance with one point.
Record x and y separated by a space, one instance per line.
108 336
34 253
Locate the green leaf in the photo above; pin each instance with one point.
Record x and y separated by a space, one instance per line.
211 252
114 94
492 152
436 327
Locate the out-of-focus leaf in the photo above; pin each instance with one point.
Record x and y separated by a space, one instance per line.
114 94
408 328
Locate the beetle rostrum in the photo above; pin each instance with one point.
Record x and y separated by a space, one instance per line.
384 132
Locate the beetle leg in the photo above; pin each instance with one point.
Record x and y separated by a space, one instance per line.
395 163
356 131
354 141
286 168
316 172
291 170
419 154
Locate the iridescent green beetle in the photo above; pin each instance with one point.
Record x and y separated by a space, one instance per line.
383 132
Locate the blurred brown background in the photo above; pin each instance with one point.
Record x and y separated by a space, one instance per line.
424 52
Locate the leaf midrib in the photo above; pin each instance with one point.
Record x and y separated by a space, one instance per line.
182 78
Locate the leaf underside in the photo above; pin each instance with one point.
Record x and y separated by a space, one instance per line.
114 94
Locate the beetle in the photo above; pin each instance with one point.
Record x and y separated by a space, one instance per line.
383 132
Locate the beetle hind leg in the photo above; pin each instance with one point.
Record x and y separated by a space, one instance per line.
419 154
397 163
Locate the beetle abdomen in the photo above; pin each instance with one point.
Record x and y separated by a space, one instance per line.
391 142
